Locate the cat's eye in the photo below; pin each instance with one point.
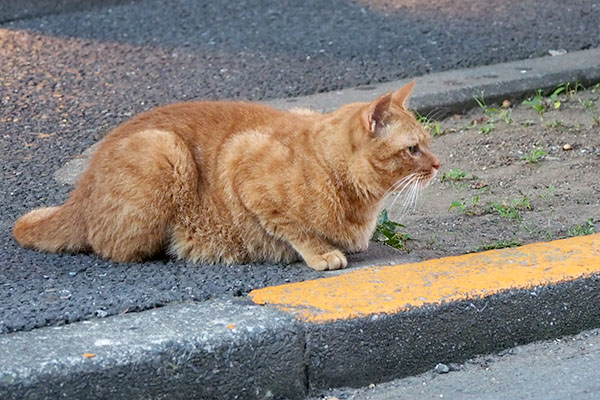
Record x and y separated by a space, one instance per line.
414 150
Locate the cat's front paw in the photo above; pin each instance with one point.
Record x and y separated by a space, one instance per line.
328 261
357 247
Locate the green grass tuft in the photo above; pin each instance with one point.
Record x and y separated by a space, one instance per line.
581 230
386 232
535 155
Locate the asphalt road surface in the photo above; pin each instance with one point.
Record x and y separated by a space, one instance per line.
66 79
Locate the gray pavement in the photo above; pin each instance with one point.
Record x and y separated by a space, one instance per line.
68 78
565 368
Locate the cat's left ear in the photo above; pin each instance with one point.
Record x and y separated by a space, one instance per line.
400 96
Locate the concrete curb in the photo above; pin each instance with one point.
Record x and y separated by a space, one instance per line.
454 91
218 349
231 349
235 349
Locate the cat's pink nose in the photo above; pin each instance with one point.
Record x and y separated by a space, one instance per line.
436 165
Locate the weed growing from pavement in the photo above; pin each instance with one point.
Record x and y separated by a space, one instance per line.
557 124
455 174
541 104
573 88
499 244
470 206
456 177
590 105
535 155
509 210
549 192
536 102
387 232
584 229
492 115
434 128
554 101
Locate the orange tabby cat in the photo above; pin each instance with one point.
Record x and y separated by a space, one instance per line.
239 182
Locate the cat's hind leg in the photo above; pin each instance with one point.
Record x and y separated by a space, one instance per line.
138 184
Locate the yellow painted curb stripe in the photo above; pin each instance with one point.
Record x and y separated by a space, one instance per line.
395 288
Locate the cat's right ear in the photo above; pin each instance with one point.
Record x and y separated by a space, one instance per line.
401 95
373 115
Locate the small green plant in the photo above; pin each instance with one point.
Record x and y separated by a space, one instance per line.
535 155
558 124
573 88
435 128
460 204
541 105
455 174
536 102
499 244
554 95
483 105
588 104
492 114
506 117
386 232
527 123
512 210
469 207
582 230
487 127
506 211
549 192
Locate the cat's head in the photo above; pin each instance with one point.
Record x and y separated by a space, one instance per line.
389 146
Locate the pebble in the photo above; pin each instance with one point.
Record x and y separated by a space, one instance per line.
506 104
567 146
442 368
558 52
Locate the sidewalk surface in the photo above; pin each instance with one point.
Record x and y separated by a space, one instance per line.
81 327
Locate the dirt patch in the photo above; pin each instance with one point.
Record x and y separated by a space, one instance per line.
510 175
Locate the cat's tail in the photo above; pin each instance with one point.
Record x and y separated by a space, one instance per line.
53 229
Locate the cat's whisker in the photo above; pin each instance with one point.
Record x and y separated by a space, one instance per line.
404 182
415 196
408 200
420 188
406 185
437 112
397 185
409 185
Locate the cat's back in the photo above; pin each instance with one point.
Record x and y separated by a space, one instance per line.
206 129
208 119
